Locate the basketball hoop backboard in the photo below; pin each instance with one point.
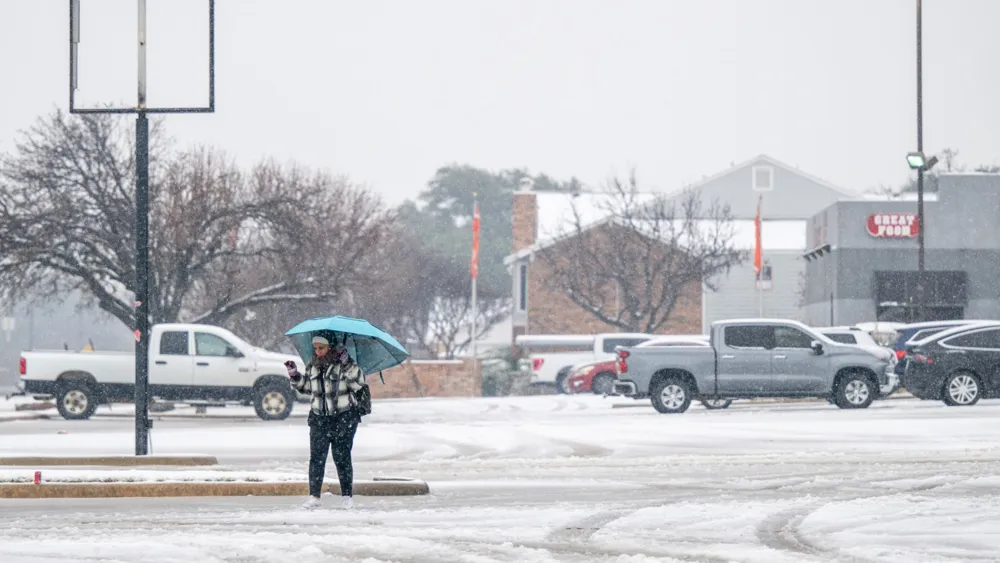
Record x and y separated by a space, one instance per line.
107 57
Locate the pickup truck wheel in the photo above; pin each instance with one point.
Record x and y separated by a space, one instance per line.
671 396
716 404
273 401
603 384
854 391
76 400
962 389
562 382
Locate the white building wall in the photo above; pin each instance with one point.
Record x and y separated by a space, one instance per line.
737 296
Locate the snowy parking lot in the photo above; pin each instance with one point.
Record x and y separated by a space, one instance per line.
553 479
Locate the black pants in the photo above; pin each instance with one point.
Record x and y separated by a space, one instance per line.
334 433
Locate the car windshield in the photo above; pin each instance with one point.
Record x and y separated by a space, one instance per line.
841 337
238 342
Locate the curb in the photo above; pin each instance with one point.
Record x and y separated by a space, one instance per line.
112 461
763 401
25 417
166 416
376 488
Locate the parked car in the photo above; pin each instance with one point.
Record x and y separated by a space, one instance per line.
596 377
554 368
958 366
884 333
854 336
187 362
755 358
920 331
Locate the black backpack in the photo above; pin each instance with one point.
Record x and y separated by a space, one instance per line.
363 398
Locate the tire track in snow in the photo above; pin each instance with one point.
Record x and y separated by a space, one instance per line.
782 530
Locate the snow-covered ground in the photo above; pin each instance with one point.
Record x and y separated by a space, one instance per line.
554 479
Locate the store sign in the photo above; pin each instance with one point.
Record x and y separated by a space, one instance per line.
893 225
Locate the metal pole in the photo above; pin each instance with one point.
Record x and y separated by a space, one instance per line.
142 55
760 298
141 284
475 347
922 227
142 252
831 310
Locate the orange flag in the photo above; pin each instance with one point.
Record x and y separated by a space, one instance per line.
758 258
475 242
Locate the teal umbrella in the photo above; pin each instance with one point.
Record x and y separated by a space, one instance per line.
370 347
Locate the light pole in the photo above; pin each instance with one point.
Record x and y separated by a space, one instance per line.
921 226
142 298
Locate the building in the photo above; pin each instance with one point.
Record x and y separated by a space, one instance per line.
543 221
862 257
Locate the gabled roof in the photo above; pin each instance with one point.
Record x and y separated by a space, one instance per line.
789 235
555 213
763 158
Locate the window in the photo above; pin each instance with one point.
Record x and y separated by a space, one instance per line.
611 343
763 178
789 337
174 344
922 334
749 336
211 345
522 288
988 339
841 337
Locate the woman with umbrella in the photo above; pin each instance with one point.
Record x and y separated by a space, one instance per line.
332 378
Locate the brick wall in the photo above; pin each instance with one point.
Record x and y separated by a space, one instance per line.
551 311
525 220
428 378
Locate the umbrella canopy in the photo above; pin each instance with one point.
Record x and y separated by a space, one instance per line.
371 348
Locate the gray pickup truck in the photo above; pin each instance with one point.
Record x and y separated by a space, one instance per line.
755 358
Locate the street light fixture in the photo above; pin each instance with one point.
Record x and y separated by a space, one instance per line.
918 161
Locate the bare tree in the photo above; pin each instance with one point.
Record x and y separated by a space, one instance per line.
221 241
307 248
450 321
423 297
886 191
630 270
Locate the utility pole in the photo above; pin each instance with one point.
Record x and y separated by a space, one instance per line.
921 224
142 422
141 109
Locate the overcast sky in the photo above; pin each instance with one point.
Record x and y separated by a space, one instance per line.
388 91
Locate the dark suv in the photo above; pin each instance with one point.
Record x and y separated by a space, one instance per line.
958 366
920 331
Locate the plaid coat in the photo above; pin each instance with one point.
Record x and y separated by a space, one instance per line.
329 389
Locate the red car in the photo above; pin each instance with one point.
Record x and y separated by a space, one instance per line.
598 377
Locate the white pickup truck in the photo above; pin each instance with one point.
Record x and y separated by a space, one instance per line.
194 363
554 368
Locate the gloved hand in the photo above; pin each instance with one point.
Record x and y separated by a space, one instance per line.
293 372
344 357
